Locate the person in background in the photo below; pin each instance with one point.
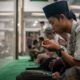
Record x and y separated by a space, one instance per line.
49 60
29 42
46 54
33 52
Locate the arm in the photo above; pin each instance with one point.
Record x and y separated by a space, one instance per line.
66 56
76 59
70 59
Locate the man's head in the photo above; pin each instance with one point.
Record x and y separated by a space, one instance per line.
41 39
59 16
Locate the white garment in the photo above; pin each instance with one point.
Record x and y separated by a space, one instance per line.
57 37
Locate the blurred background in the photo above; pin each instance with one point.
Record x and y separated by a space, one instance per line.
21 23
21 20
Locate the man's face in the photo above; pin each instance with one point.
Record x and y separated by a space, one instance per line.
58 25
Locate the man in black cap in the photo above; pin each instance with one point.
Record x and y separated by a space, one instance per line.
64 20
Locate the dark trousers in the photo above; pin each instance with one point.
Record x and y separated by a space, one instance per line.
34 75
70 74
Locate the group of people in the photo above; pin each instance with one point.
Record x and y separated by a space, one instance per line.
66 65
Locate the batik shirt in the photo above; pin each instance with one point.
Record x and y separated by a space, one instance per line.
74 44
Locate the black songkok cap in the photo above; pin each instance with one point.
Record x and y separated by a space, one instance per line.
56 8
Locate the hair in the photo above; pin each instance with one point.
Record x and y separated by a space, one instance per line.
69 15
73 15
41 38
35 42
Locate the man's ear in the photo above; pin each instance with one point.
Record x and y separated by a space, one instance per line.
62 16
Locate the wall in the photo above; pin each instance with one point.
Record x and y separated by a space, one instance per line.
28 5
7 6
35 5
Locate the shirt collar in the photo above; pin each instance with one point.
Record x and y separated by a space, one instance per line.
74 25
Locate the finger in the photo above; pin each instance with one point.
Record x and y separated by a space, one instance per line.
45 42
54 76
45 46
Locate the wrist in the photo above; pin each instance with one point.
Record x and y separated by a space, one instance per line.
59 51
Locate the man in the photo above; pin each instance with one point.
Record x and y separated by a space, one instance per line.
57 14
62 20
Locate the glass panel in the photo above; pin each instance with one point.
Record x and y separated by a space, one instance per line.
7 28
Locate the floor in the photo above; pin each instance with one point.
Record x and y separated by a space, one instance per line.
10 68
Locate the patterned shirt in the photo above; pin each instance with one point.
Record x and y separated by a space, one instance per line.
74 44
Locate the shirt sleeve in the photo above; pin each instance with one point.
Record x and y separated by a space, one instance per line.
77 47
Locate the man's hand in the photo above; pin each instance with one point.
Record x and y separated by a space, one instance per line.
50 44
56 75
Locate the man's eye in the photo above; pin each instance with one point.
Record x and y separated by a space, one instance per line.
52 23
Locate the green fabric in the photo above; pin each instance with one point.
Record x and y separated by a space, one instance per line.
13 68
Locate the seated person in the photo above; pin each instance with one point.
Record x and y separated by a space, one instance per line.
33 52
62 20
46 59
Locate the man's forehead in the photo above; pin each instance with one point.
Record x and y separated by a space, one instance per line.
50 19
